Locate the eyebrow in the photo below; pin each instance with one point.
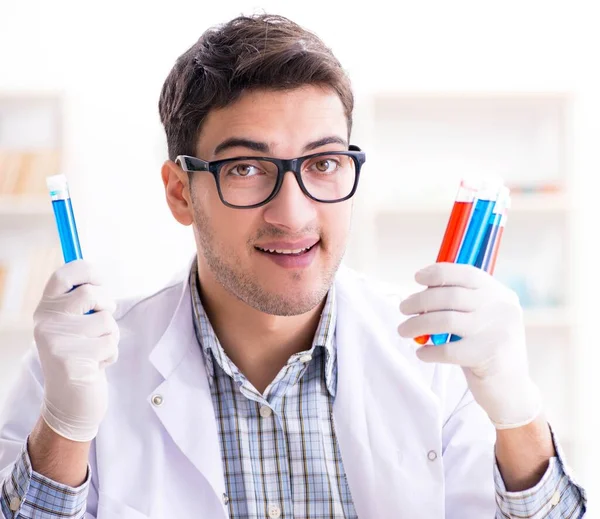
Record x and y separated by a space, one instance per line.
263 147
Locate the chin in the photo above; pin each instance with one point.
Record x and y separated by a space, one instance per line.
289 299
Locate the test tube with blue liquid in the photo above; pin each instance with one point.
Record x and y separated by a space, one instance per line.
65 219
490 263
491 236
474 238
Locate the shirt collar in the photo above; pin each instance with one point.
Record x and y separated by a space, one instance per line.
213 351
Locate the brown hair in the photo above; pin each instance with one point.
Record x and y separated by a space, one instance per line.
247 53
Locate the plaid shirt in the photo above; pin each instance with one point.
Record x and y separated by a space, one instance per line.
279 451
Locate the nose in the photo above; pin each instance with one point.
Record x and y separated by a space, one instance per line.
291 209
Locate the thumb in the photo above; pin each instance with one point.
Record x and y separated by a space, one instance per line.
447 354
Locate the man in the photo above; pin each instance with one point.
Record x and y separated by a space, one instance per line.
268 381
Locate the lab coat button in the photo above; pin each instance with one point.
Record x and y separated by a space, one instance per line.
157 400
265 412
274 511
15 504
555 498
305 358
225 499
432 455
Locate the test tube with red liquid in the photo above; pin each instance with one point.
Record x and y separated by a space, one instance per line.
455 230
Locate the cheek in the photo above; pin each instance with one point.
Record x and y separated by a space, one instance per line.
335 221
229 228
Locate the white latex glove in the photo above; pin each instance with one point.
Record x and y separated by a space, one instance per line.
74 350
470 303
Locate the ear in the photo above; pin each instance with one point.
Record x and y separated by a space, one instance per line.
177 191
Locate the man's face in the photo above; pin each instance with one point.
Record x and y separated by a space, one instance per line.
232 242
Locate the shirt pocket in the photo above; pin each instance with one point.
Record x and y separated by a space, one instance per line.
110 508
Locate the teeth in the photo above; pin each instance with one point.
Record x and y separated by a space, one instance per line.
285 251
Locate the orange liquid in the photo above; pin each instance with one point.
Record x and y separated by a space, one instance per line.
455 230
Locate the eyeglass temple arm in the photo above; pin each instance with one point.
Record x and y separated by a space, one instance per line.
188 163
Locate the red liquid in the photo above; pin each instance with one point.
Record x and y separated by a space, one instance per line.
455 230
422 339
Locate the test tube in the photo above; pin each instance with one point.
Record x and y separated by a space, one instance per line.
474 236
65 219
491 266
491 237
491 241
455 230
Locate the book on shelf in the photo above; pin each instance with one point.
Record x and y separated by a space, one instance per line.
24 173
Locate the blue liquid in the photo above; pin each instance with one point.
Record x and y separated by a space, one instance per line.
67 230
476 232
469 250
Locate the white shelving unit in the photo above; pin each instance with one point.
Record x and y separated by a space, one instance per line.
13 207
521 203
30 149
418 148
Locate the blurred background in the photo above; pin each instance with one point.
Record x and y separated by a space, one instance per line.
443 90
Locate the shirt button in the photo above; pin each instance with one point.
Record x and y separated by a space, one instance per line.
432 455
555 498
305 358
274 511
15 504
157 400
265 412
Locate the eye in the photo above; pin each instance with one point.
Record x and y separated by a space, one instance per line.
327 165
243 170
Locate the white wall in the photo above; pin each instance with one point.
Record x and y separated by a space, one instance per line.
110 60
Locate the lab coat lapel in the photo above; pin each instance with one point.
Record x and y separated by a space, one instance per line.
186 410
387 419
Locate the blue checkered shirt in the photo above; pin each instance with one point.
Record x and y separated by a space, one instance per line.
279 448
279 451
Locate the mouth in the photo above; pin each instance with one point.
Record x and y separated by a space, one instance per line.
287 252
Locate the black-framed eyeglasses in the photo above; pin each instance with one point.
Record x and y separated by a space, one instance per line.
249 182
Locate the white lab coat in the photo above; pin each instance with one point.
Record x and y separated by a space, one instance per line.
413 442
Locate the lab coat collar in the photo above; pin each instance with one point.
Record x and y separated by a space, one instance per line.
186 398
384 408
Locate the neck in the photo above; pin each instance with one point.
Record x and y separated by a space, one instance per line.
259 344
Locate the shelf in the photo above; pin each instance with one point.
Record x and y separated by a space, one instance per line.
547 318
11 325
521 203
30 205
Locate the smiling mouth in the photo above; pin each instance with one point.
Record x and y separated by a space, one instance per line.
286 252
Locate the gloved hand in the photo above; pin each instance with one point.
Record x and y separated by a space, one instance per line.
470 303
75 349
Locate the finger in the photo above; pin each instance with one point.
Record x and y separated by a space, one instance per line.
100 324
80 301
104 351
461 353
108 350
431 323
452 274
441 298
93 326
71 274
